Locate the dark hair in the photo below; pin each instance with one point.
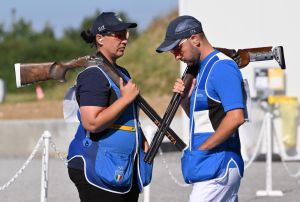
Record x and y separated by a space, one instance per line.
202 34
87 36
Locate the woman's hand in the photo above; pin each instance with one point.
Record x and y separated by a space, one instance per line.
128 91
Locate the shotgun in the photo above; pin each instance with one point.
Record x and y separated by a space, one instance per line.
34 72
242 57
28 73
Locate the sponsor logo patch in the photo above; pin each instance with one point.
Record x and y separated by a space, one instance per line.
101 28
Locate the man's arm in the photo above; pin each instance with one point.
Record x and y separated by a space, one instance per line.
230 123
225 84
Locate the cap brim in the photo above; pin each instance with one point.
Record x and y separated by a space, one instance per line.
167 45
122 26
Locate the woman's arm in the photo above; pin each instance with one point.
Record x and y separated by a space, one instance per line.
96 119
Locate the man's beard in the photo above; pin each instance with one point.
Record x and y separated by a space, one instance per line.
195 60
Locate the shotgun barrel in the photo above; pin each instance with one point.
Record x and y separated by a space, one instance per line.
188 76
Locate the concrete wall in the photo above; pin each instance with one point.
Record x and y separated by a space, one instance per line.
19 137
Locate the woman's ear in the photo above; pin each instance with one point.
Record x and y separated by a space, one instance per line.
99 39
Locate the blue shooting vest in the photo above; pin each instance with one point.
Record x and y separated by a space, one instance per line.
109 162
200 165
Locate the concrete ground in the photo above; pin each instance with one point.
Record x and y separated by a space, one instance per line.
26 188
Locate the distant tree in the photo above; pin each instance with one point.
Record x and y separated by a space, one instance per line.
88 21
21 29
48 31
72 34
2 32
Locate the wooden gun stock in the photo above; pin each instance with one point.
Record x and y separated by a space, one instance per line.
33 72
244 56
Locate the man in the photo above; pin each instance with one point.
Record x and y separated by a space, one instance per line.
212 162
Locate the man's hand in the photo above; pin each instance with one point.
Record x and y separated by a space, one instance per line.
180 88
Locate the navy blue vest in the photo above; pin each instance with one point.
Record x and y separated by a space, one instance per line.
206 113
109 161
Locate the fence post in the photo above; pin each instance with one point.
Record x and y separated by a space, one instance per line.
269 142
45 165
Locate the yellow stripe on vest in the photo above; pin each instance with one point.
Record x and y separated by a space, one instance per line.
122 127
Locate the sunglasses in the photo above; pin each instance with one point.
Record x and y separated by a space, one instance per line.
177 49
122 35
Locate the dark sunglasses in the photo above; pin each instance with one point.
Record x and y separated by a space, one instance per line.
177 49
122 35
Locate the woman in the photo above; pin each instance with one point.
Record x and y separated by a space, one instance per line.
104 157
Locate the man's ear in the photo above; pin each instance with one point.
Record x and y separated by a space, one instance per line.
195 40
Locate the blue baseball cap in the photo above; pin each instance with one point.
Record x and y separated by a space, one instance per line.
180 28
109 21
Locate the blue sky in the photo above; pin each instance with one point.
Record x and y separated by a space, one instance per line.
66 13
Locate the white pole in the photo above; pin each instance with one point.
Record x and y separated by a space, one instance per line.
269 144
269 155
147 193
45 165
